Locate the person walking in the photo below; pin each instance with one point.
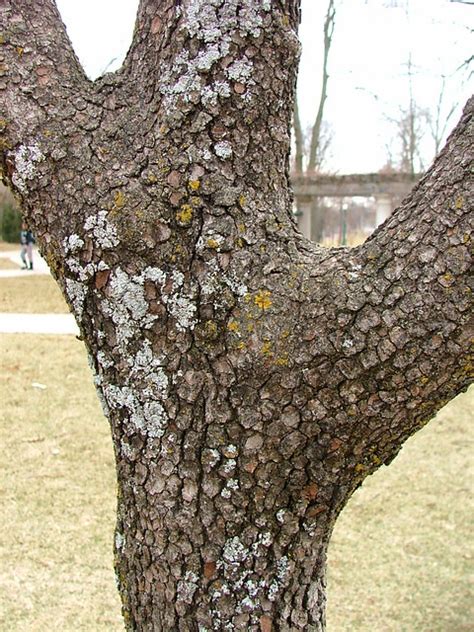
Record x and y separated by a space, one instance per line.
26 241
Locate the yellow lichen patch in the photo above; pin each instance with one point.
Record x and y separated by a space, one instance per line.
282 360
212 243
152 179
210 329
185 215
360 467
119 200
19 50
242 202
241 346
241 227
233 326
195 200
194 185
459 202
284 334
262 299
267 347
239 242
263 248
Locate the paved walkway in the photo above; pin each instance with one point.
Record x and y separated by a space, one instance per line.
33 323
39 264
38 324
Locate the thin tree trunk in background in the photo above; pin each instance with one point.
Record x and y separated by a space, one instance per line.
299 140
316 131
252 380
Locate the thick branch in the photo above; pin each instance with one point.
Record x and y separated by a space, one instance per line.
200 59
416 319
39 73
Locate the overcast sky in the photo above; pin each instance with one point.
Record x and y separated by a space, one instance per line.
368 83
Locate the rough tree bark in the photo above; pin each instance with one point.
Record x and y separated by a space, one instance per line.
251 378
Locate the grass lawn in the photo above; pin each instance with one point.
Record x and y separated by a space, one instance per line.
8 264
31 295
399 561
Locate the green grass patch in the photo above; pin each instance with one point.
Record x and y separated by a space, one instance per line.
31 294
399 561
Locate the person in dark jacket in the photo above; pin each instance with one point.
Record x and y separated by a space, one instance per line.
26 241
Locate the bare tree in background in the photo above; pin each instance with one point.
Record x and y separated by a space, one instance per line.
311 150
439 117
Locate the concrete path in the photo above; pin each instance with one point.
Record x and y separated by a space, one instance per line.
39 264
38 324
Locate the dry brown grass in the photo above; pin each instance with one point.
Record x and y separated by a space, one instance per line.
8 264
31 294
399 561
57 492
5 246
402 551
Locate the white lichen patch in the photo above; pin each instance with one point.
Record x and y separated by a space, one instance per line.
210 94
72 244
183 309
187 587
249 589
212 457
234 552
103 360
280 516
76 293
119 540
229 466
126 304
240 71
213 279
27 158
280 579
130 293
148 368
223 149
214 24
143 413
231 485
231 451
101 230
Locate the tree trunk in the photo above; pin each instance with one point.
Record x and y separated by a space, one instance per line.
252 379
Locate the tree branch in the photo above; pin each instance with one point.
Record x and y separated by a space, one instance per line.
199 59
39 72
416 265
